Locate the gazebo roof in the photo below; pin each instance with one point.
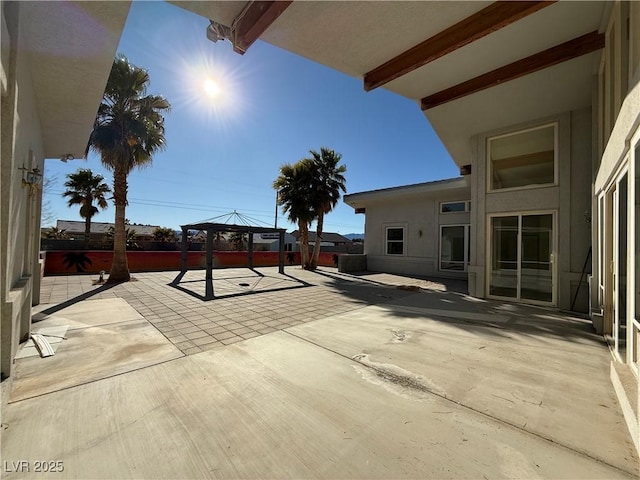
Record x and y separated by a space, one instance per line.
245 226
226 227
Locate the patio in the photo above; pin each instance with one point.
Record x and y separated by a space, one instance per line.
321 375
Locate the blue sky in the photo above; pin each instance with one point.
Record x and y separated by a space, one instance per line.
223 153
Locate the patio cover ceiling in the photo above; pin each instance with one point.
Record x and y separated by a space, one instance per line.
71 47
472 66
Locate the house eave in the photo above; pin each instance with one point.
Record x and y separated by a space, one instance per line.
360 199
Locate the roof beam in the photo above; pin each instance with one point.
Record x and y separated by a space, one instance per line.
488 20
253 21
577 47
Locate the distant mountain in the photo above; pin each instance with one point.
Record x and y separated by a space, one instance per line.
351 236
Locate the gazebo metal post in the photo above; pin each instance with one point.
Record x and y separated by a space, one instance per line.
184 246
281 251
250 248
209 274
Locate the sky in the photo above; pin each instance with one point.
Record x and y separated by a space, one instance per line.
224 148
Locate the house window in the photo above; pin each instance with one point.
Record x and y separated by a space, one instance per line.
523 159
455 207
395 240
454 247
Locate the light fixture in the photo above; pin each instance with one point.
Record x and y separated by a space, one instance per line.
217 32
31 177
65 158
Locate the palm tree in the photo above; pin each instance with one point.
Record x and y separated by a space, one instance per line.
294 186
128 130
238 239
329 181
164 234
218 238
54 233
130 235
83 188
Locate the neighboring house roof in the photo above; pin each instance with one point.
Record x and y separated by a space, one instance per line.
329 237
74 226
357 200
269 238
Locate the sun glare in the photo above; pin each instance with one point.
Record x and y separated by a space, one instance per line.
211 88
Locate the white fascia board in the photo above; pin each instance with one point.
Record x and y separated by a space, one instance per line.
361 199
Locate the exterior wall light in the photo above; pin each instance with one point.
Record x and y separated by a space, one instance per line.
67 157
31 177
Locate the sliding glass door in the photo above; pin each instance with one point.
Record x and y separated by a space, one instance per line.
521 258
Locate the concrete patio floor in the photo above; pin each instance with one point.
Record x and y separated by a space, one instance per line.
311 375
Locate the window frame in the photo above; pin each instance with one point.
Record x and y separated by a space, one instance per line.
467 207
403 242
489 162
467 248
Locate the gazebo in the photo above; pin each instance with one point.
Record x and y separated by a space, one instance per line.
214 227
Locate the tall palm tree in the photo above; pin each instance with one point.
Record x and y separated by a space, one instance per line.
128 130
294 186
329 182
83 188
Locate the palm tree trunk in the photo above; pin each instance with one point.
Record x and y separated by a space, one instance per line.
316 246
87 232
119 266
304 244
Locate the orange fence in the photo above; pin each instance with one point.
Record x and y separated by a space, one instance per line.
68 262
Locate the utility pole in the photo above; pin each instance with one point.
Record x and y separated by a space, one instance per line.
277 195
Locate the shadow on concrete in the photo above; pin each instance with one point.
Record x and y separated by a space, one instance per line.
179 284
447 284
453 306
42 315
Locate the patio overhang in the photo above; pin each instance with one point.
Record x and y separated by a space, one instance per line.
485 63
490 19
71 47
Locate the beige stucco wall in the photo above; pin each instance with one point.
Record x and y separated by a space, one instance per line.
420 216
570 198
43 114
20 206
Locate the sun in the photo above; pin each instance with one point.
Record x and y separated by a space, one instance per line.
211 88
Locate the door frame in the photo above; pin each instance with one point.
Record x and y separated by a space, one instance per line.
553 254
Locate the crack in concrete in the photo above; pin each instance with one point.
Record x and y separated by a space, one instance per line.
412 384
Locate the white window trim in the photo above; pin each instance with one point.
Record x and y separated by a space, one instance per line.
489 168
467 236
404 241
600 222
624 171
632 287
467 206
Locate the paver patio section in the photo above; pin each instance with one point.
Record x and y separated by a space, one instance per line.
271 302
384 382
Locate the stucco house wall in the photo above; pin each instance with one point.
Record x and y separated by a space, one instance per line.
569 199
42 116
418 212
20 205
